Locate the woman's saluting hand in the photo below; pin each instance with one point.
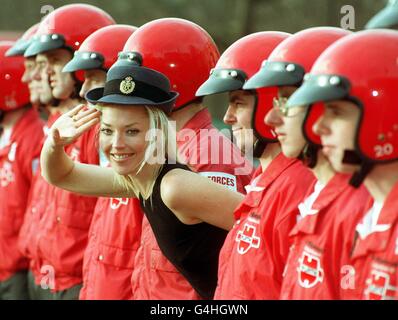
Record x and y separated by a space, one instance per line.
60 170
71 125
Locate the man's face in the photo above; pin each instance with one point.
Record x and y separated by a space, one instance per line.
40 75
287 123
337 129
62 84
28 78
239 116
93 79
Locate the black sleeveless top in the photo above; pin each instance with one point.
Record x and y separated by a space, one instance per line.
192 249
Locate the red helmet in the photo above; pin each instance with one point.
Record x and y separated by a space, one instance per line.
19 48
361 68
100 50
67 27
288 63
179 49
238 63
13 93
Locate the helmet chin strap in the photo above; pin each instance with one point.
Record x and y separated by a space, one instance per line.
309 155
55 102
359 176
258 148
351 157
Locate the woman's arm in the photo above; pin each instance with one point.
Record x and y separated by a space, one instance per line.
58 169
194 199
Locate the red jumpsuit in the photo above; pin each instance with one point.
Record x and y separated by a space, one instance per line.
254 254
114 237
18 161
56 228
322 241
374 257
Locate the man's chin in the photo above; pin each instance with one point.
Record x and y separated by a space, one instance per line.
347 169
46 100
61 93
34 101
289 153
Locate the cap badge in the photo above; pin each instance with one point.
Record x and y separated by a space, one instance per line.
127 86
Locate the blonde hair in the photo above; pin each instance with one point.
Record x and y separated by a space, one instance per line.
155 154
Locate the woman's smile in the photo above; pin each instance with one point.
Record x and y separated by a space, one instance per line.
121 157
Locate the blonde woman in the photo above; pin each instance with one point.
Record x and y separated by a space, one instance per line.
188 213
